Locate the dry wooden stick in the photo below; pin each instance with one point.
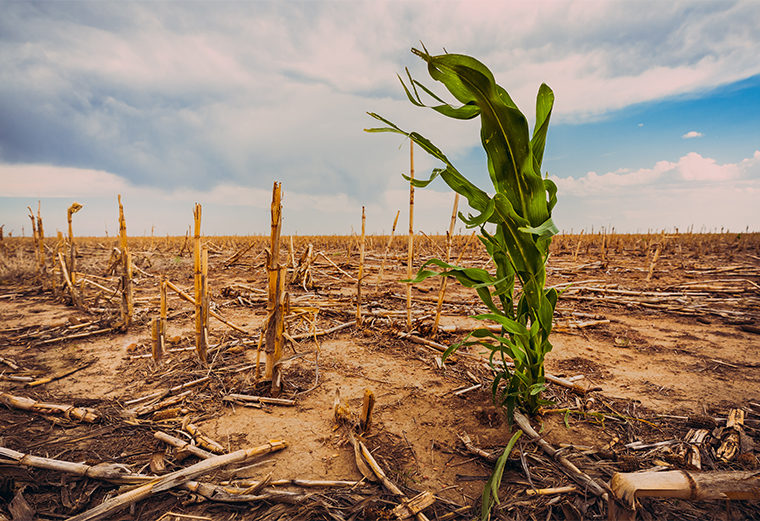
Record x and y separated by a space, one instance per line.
203 440
388 245
725 485
410 245
260 399
105 471
291 253
153 407
59 375
9 363
120 474
205 301
127 295
335 265
71 337
35 237
302 272
551 491
656 256
239 254
182 445
570 469
200 344
387 483
161 344
167 392
365 418
432 243
184 296
227 495
465 439
85 280
295 482
322 332
155 340
69 285
578 246
258 357
274 338
442 289
730 446
410 507
74 208
360 275
175 479
438 346
85 414
41 238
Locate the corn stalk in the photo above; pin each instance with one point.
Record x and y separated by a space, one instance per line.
515 222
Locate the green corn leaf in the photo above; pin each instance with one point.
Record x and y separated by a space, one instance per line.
422 183
551 189
479 220
547 229
468 111
491 490
544 104
508 324
476 198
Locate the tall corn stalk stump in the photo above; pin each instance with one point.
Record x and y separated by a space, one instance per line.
127 295
274 338
200 324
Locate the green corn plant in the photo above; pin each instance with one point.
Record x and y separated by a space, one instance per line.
515 222
491 490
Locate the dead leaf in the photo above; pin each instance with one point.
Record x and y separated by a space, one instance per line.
157 463
20 510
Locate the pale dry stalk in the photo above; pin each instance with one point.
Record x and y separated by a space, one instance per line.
69 285
387 246
127 295
360 275
274 337
656 256
74 208
200 344
578 246
41 246
161 322
205 299
442 290
410 246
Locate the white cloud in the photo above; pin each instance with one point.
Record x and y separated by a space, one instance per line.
228 208
692 168
693 191
43 181
692 134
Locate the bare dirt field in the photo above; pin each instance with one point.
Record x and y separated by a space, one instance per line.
651 360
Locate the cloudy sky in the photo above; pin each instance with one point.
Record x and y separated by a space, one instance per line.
656 121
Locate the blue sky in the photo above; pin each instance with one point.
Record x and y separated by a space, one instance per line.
656 123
